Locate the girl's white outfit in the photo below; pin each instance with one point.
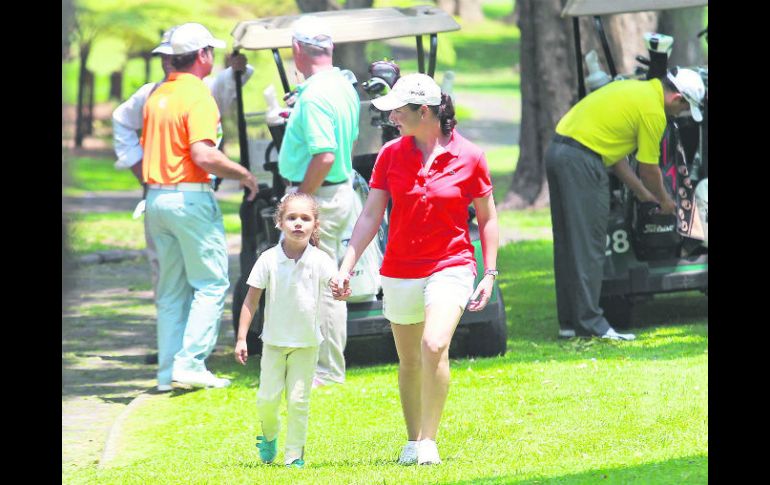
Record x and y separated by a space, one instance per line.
290 336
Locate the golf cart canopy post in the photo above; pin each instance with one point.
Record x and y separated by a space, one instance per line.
577 8
357 25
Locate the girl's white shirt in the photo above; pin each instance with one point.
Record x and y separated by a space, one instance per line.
293 295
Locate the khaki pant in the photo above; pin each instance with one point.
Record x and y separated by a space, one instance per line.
336 207
290 369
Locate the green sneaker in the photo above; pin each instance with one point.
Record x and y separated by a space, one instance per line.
298 463
267 449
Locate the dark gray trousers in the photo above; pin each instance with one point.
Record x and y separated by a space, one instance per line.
580 206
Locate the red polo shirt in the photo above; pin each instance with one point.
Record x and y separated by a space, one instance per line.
428 228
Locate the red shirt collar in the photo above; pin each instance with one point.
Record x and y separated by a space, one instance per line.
453 147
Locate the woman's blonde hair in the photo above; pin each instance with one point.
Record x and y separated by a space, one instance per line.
280 211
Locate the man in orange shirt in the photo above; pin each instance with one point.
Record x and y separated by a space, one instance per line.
180 135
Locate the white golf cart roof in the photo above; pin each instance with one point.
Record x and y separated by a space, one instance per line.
347 26
576 8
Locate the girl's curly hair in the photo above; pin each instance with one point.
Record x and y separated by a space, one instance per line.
280 212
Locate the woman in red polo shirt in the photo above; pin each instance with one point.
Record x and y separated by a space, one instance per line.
432 174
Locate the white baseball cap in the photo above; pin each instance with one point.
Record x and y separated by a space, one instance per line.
410 89
690 85
165 46
313 30
190 37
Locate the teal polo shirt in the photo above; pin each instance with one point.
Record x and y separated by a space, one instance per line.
324 119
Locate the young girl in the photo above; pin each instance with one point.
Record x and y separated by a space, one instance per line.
294 274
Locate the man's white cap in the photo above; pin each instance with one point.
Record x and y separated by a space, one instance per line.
192 36
410 89
313 30
690 85
165 46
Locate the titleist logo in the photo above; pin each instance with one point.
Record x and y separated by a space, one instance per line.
654 228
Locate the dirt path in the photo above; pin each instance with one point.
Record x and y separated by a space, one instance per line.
108 332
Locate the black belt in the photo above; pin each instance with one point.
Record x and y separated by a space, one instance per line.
575 144
325 183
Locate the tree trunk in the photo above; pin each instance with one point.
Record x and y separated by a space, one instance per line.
350 55
626 38
116 85
448 6
88 113
513 18
683 25
147 56
353 55
547 80
468 10
67 24
79 122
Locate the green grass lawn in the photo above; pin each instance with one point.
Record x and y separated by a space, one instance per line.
88 174
91 232
102 231
549 411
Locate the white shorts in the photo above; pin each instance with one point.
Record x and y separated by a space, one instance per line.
404 299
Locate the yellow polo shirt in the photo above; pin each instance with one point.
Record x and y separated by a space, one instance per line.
180 112
619 118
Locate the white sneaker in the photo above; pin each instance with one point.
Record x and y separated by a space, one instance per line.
566 333
427 453
408 454
613 335
200 379
165 388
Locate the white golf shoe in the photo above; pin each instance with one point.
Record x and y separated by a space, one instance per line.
427 453
408 454
199 379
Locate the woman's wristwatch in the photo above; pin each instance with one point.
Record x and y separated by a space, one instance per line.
492 272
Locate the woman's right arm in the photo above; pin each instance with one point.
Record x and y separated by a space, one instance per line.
366 227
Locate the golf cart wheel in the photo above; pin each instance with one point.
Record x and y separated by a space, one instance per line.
617 310
489 339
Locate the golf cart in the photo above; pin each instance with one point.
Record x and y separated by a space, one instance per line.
649 253
481 333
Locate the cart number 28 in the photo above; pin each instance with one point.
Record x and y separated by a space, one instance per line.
618 243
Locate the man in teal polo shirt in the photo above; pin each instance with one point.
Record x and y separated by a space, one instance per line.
316 158
596 135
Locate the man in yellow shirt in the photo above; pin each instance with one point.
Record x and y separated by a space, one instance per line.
180 134
596 134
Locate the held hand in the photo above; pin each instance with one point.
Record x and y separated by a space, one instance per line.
250 182
241 352
340 286
481 296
